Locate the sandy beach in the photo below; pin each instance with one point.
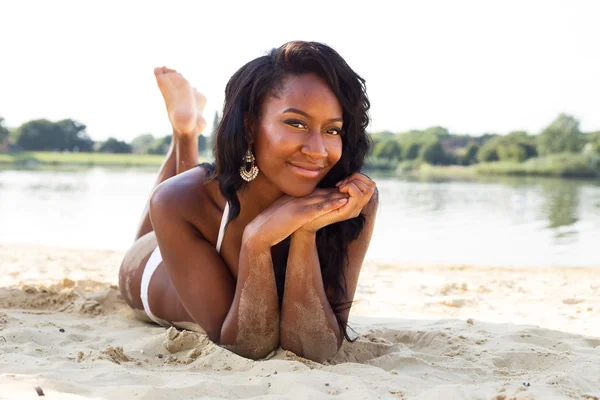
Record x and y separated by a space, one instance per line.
456 332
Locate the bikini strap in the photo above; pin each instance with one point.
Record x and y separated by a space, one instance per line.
224 219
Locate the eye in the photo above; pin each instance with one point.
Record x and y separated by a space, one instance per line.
296 123
334 131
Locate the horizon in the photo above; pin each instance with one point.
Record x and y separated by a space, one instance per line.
468 67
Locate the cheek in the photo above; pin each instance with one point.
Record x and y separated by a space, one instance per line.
334 150
272 145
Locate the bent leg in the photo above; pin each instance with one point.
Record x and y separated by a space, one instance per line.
184 106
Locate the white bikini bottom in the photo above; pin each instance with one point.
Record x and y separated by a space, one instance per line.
153 263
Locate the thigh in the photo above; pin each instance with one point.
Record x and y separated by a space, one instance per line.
162 297
132 268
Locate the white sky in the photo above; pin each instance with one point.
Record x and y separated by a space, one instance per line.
470 66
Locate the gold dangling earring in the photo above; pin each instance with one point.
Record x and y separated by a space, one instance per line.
248 170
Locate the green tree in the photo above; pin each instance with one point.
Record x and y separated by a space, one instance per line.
140 144
435 132
517 146
488 152
112 145
42 134
562 135
596 146
74 135
160 145
380 136
433 153
511 152
202 144
213 132
389 149
39 134
470 154
4 133
411 150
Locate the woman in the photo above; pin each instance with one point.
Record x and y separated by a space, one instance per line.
264 248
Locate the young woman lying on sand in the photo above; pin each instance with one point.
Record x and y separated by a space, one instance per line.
263 248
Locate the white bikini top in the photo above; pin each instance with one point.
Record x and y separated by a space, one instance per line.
224 219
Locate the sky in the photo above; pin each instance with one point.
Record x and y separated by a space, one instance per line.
473 67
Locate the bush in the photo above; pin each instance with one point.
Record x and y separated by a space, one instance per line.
469 155
161 145
562 135
566 165
389 149
512 152
115 146
380 164
488 152
411 151
433 153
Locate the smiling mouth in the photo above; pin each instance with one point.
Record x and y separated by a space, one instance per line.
305 172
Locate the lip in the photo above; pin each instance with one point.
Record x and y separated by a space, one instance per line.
306 171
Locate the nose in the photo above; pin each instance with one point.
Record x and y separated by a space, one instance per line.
314 146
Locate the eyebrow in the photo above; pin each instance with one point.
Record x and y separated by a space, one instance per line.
295 110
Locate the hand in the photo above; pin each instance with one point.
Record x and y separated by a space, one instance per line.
359 188
286 215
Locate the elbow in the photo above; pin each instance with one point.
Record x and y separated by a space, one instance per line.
319 353
253 351
253 346
319 348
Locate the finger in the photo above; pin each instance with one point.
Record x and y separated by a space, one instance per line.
323 197
364 179
357 176
355 196
363 187
325 207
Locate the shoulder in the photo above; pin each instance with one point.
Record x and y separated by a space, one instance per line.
183 194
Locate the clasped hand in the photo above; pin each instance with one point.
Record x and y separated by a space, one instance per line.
310 213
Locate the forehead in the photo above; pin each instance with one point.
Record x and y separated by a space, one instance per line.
306 92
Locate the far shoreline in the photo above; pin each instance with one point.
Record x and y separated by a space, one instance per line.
81 161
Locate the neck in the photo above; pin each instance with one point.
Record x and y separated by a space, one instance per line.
257 196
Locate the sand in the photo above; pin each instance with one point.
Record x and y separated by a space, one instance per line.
423 333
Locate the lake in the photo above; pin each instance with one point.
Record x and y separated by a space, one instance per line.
488 222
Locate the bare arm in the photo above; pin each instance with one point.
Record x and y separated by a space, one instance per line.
308 324
243 315
251 328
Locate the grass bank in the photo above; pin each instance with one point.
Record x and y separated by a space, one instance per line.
42 159
556 165
565 165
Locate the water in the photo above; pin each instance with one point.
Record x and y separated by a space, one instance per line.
501 222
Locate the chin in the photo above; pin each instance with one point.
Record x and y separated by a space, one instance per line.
298 190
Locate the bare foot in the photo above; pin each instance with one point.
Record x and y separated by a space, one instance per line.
184 103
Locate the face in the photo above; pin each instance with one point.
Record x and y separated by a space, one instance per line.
297 140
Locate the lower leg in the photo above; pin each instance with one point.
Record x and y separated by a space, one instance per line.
184 107
186 149
167 170
182 156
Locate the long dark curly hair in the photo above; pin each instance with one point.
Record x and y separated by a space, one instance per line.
244 96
